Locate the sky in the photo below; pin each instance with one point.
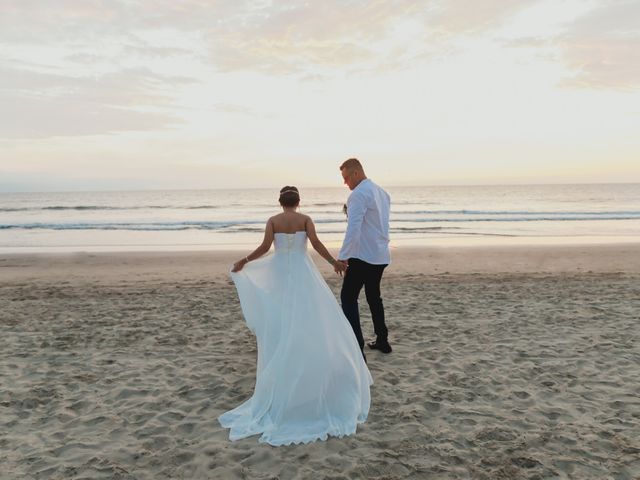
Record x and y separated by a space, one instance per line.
158 94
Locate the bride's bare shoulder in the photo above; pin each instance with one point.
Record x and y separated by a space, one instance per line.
279 220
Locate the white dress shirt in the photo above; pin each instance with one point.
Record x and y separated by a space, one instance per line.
367 236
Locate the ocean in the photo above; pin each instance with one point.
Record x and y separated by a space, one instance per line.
235 218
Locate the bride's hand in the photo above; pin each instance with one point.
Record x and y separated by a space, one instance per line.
239 265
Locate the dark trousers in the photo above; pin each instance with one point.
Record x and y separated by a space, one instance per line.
359 274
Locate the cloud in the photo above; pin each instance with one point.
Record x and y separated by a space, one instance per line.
126 51
285 37
297 37
34 21
154 51
232 108
49 117
123 87
359 36
602 47
39 104
457 17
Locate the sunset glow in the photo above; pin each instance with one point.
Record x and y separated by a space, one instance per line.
191 94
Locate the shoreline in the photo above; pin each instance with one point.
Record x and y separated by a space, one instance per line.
105 267
334 242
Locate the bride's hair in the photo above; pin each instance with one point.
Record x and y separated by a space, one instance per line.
289 196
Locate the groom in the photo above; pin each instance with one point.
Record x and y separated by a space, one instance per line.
365 251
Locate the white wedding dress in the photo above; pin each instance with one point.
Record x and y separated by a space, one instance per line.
311 379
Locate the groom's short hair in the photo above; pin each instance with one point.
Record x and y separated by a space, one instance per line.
351 164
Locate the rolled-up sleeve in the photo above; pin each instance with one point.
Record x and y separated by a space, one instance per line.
356 208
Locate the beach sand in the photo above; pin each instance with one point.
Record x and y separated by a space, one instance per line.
518 362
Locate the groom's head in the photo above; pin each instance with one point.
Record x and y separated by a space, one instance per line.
352 172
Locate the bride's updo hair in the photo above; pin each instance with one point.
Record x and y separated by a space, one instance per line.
289 196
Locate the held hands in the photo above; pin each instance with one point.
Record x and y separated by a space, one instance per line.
340 266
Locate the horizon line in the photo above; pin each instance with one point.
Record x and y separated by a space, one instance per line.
535 184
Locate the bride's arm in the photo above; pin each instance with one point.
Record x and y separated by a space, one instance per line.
319 247
258 252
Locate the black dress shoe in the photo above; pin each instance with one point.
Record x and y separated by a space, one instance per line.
384 347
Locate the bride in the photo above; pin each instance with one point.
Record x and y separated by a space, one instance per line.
311 378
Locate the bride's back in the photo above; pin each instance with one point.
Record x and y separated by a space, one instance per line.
289 222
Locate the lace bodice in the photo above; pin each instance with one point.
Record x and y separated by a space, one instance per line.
290 242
